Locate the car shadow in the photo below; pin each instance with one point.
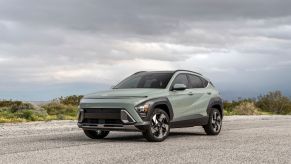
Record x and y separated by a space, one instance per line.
131 138
140 138
173 134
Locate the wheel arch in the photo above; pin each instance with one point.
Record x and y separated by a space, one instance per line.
162 103
217 103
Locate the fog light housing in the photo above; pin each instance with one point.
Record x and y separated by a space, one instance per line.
81 115
126 117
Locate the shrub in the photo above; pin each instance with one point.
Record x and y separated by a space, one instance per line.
70 100
274 102
15 106
56 108
229 106
23 115
17 111
246 108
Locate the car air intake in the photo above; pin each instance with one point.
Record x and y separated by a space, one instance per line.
102 113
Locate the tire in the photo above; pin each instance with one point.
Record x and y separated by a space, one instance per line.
214 122
159 127
96 134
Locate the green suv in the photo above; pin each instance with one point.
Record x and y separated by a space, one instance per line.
152 103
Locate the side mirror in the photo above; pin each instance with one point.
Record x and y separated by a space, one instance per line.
179 87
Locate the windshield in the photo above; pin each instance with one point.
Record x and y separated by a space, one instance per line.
146 80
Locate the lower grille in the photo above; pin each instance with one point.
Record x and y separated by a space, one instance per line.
102 116
98 121
102 113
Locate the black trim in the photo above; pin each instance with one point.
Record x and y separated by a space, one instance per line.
187 71
190 123
215 101
154 103
115 127
138 72
102 113
142 126
178 70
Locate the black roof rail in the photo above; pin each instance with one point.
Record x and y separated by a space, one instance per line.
139 72
187 71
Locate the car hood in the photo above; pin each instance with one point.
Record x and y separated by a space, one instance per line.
124 93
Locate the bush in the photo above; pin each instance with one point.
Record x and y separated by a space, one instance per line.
70 100
230 106
23 115
56 108
17 111
246 108
15 106
274 102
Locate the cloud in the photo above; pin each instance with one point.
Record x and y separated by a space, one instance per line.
244 46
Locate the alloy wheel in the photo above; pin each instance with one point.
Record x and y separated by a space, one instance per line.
216 121
159 125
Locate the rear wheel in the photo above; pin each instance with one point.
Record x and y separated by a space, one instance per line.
96 134
214 123
159 128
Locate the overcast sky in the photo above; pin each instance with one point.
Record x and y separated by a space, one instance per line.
52 48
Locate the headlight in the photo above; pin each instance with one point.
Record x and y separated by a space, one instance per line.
143 109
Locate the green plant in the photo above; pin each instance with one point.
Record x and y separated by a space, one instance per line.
17 111
274 102
230 106
70 100
15 106
246 108
56 108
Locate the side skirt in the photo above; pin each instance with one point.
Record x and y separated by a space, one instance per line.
190 123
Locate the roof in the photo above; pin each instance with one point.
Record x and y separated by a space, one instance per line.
178 70
170 71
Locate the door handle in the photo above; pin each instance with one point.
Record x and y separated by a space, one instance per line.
190 93
209 93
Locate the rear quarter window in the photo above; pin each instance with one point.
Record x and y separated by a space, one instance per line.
204 81
195 81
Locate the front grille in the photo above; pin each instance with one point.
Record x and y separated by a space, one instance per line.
102 116
97 121
102 113
102 110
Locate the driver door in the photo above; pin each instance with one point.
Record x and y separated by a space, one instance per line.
181 100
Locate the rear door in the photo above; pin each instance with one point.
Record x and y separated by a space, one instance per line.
200 93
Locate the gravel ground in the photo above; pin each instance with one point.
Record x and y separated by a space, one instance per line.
244 139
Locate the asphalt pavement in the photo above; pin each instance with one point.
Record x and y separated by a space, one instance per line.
243 139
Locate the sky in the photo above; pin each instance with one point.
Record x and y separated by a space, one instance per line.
53 48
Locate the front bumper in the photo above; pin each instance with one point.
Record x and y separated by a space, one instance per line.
113 127
111 119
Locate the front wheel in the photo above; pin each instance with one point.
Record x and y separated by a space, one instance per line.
159 127
96 134
214 123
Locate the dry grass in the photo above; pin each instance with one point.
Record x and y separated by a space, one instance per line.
246 108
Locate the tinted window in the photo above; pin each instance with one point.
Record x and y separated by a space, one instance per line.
146 80
195 82
181 79
204 81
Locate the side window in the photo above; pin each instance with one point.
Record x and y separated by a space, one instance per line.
195 81
181 79
204 81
